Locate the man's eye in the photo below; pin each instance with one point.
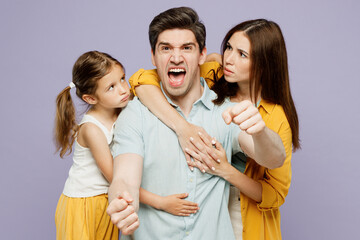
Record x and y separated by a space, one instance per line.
165 48
188 48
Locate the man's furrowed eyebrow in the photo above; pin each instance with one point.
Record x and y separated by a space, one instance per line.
189 43
164 43
185 44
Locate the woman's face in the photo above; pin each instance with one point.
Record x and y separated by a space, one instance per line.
237 59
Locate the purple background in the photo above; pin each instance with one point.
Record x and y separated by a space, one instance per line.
40 41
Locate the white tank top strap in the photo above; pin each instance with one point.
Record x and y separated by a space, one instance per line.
108 134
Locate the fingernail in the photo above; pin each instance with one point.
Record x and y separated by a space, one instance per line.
186 149
199 133
203 170
218 160
191 168
213 142
213 168
191 139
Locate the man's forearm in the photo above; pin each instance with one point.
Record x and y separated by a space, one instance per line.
117 189
126 177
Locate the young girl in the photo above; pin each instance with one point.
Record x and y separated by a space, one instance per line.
99 80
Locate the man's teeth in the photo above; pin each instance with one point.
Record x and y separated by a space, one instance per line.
176 70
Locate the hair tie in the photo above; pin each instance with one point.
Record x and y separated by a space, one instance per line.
71 85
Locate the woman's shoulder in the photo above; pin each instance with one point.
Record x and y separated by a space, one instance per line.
273 115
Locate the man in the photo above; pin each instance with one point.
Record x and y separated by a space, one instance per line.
143 142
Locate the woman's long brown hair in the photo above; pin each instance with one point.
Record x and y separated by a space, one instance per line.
87 70
268 71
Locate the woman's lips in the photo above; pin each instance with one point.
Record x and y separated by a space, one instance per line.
227 71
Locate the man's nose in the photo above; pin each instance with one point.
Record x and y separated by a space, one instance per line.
176 56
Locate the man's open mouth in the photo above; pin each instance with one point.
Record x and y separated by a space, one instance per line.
176 76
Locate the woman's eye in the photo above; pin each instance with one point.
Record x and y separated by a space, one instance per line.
228 46
242 55
111 87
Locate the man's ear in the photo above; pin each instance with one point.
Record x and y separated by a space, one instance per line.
153 58
202 56
90 99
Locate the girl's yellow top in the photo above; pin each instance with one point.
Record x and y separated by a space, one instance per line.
260 220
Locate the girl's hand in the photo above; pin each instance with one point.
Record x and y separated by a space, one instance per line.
190 141
176 205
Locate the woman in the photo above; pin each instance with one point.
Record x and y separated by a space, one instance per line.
256 69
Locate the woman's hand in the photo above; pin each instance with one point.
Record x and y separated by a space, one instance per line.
246 115
191 140
218 157
176 205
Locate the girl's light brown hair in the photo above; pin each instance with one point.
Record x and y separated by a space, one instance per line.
268 70
88 69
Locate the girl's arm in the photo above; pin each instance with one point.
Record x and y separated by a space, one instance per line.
91 136
174 204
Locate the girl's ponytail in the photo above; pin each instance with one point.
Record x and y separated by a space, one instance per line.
65 122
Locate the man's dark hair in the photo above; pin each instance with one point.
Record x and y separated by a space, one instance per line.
181 18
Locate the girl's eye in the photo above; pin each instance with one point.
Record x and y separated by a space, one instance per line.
122 80
111 87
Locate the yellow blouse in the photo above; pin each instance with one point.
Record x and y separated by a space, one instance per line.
260 220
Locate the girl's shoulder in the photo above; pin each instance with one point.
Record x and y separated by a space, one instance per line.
90 127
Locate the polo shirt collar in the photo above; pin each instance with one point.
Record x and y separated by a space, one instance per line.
206 98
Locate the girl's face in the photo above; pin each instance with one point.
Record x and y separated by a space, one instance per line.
112 89
236 60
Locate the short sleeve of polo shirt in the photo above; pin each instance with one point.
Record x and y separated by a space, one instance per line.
128 132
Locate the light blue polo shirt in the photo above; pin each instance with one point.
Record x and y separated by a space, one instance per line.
165 170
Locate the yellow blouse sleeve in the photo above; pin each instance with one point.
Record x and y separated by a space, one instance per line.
144 77
207 71
150 77
276 182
